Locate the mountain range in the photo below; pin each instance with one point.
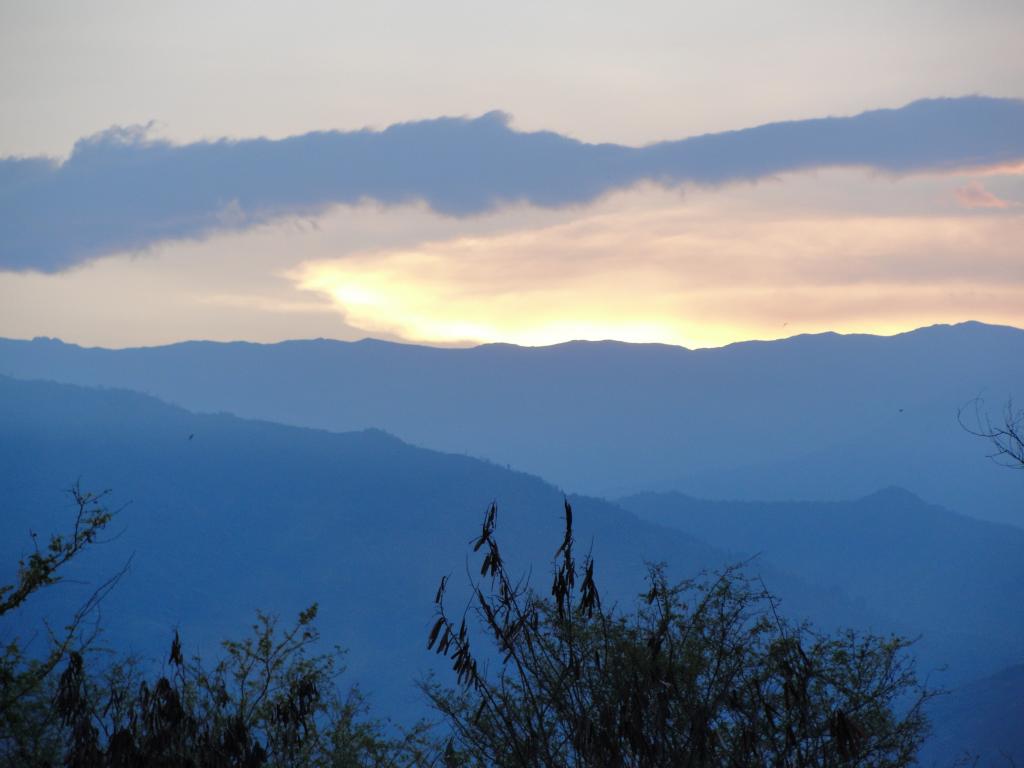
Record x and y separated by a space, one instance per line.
814 417
222 515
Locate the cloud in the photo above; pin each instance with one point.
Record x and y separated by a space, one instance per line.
974 195
120 191
648 268
644 264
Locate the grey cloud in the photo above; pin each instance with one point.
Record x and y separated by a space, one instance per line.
119 190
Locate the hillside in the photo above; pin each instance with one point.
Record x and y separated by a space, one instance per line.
944 573
811 417
225 515
951 576
982 719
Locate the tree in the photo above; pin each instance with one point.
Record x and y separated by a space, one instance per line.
703 673
271 699
27 722
1007 437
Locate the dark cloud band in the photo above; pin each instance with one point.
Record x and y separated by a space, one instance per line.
121 191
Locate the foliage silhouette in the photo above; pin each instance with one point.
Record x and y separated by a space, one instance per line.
1007 438
271 700
27 722
703 673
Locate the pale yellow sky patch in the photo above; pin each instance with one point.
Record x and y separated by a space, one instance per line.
702 271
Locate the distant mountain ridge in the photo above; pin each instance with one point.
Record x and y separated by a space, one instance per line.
823 416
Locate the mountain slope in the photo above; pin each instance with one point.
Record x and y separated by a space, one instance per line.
957 579
983 720
946 574
227 515
810 417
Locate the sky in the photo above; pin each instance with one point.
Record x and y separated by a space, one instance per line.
454 173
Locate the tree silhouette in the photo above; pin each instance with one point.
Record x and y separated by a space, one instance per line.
703 673
271 699
1005 435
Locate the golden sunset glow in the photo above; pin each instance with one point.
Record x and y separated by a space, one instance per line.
649 268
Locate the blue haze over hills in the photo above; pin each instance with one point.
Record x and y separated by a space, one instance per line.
247 514
325 506
227 515
821 417
901 556
891 550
